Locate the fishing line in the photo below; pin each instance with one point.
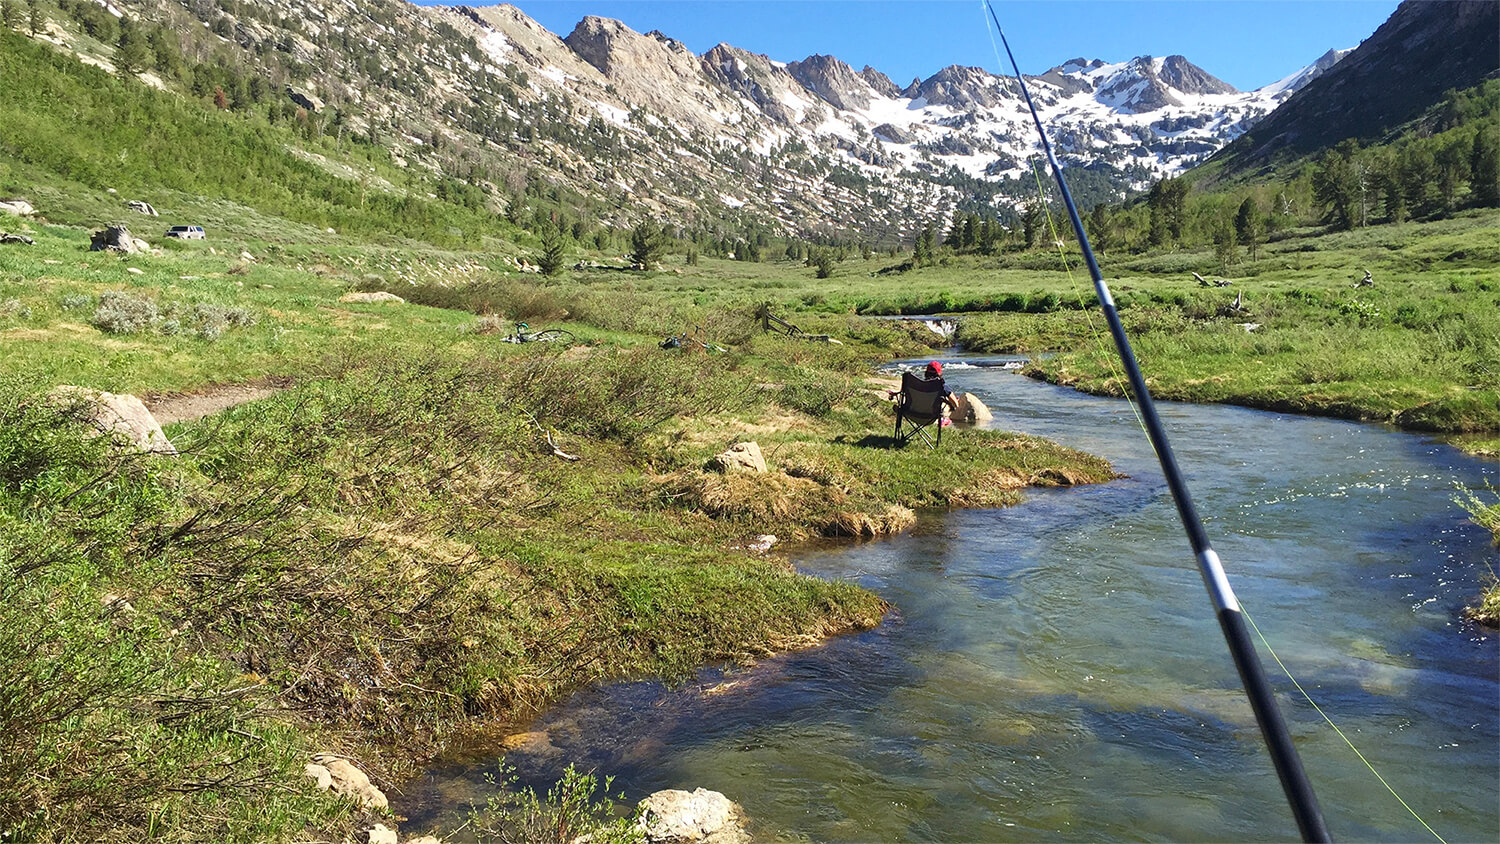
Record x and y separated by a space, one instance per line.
1088 316
1294 781
1288 672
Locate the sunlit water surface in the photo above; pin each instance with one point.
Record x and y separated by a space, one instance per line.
1054 670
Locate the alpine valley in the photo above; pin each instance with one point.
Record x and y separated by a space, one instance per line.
639 124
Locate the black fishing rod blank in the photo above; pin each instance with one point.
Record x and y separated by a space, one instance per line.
1294 782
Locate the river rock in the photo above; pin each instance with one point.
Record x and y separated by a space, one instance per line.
382 834
380 296
972 410
740 457
19 207
350 781
122 416
674 816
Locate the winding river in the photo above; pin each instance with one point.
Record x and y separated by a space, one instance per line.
1054 670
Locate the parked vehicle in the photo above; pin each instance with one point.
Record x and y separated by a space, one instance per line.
186 232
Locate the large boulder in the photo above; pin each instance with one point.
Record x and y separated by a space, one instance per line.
121 416
143 207
674 816
740 457
971 410
117 239
19 207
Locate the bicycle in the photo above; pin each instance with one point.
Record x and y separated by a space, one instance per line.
690 340
546 335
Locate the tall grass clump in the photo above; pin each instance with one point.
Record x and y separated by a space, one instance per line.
111 722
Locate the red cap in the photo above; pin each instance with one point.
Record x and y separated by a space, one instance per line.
935 368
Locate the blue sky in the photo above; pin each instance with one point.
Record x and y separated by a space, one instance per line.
1247 43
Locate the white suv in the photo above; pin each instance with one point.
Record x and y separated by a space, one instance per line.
186 232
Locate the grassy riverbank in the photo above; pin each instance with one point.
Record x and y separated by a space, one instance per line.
1419 348
391 548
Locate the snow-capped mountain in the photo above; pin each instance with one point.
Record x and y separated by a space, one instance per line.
637 125
1136 120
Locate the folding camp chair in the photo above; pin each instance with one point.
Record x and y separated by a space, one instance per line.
919 406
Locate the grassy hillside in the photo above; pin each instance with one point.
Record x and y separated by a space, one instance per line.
74 131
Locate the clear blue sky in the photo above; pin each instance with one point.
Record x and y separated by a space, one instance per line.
1247 43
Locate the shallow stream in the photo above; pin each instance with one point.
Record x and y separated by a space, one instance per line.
1054 670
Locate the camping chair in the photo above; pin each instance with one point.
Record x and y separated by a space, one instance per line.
920 406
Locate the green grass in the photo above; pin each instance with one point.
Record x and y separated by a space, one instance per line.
1421 348
372 558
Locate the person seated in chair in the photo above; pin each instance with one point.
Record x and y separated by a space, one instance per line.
934 372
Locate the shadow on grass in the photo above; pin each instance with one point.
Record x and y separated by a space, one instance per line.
875 441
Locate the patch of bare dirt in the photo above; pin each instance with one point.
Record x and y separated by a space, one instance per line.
185 407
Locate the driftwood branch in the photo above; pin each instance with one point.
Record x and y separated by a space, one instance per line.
547 435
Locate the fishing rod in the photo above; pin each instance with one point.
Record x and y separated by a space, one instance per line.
1294 782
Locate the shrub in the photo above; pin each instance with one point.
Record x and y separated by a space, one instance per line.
124 313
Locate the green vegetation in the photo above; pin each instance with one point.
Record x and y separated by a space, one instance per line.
398 543
1485 509
1420 347
391 547
568 812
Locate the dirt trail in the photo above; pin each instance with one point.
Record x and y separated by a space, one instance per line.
184 407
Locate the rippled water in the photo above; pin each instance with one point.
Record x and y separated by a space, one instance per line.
1054 670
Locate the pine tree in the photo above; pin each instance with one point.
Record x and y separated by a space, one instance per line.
36 21
554 247
1101 229
1247 226
1336 187
646 244
131 51
1484 165
10 14
1031 222
823 261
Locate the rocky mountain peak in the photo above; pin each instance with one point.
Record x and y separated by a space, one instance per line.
961 88
881 83
833 81
771 88
1188 78
650 70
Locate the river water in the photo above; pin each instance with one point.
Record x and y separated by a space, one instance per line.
1054 670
